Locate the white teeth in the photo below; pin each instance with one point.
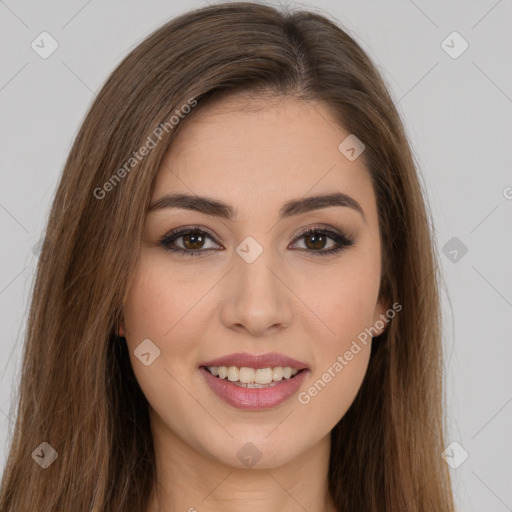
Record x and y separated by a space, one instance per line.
251 377
247 375
278 373
264 375
233 374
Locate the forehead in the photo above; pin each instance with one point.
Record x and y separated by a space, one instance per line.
261 152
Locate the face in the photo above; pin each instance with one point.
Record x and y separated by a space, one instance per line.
265 283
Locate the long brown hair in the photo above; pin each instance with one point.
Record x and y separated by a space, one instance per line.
78 392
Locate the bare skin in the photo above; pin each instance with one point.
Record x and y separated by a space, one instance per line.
289 300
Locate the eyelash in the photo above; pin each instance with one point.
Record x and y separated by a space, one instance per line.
341 239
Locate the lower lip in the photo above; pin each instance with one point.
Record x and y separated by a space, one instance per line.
253 398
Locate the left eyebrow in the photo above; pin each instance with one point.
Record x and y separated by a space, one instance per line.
210 206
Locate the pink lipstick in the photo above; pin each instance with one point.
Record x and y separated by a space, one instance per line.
282 376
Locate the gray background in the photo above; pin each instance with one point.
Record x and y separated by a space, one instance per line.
458 116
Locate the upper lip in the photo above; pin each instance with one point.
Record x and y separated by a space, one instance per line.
270 359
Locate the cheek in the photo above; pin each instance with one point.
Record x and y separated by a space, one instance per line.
351 307
157 308
345 301
342 299
343 350
158 300
165 307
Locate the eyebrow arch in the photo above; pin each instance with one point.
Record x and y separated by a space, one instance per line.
210 206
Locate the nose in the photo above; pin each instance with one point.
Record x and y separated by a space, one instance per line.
257 297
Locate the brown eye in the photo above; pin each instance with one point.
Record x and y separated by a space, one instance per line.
193 242
316 239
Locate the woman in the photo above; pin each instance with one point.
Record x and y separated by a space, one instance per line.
236 304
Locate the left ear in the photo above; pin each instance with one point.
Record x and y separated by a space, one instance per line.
120 331
380 320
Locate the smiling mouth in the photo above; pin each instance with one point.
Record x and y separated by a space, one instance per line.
254 378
